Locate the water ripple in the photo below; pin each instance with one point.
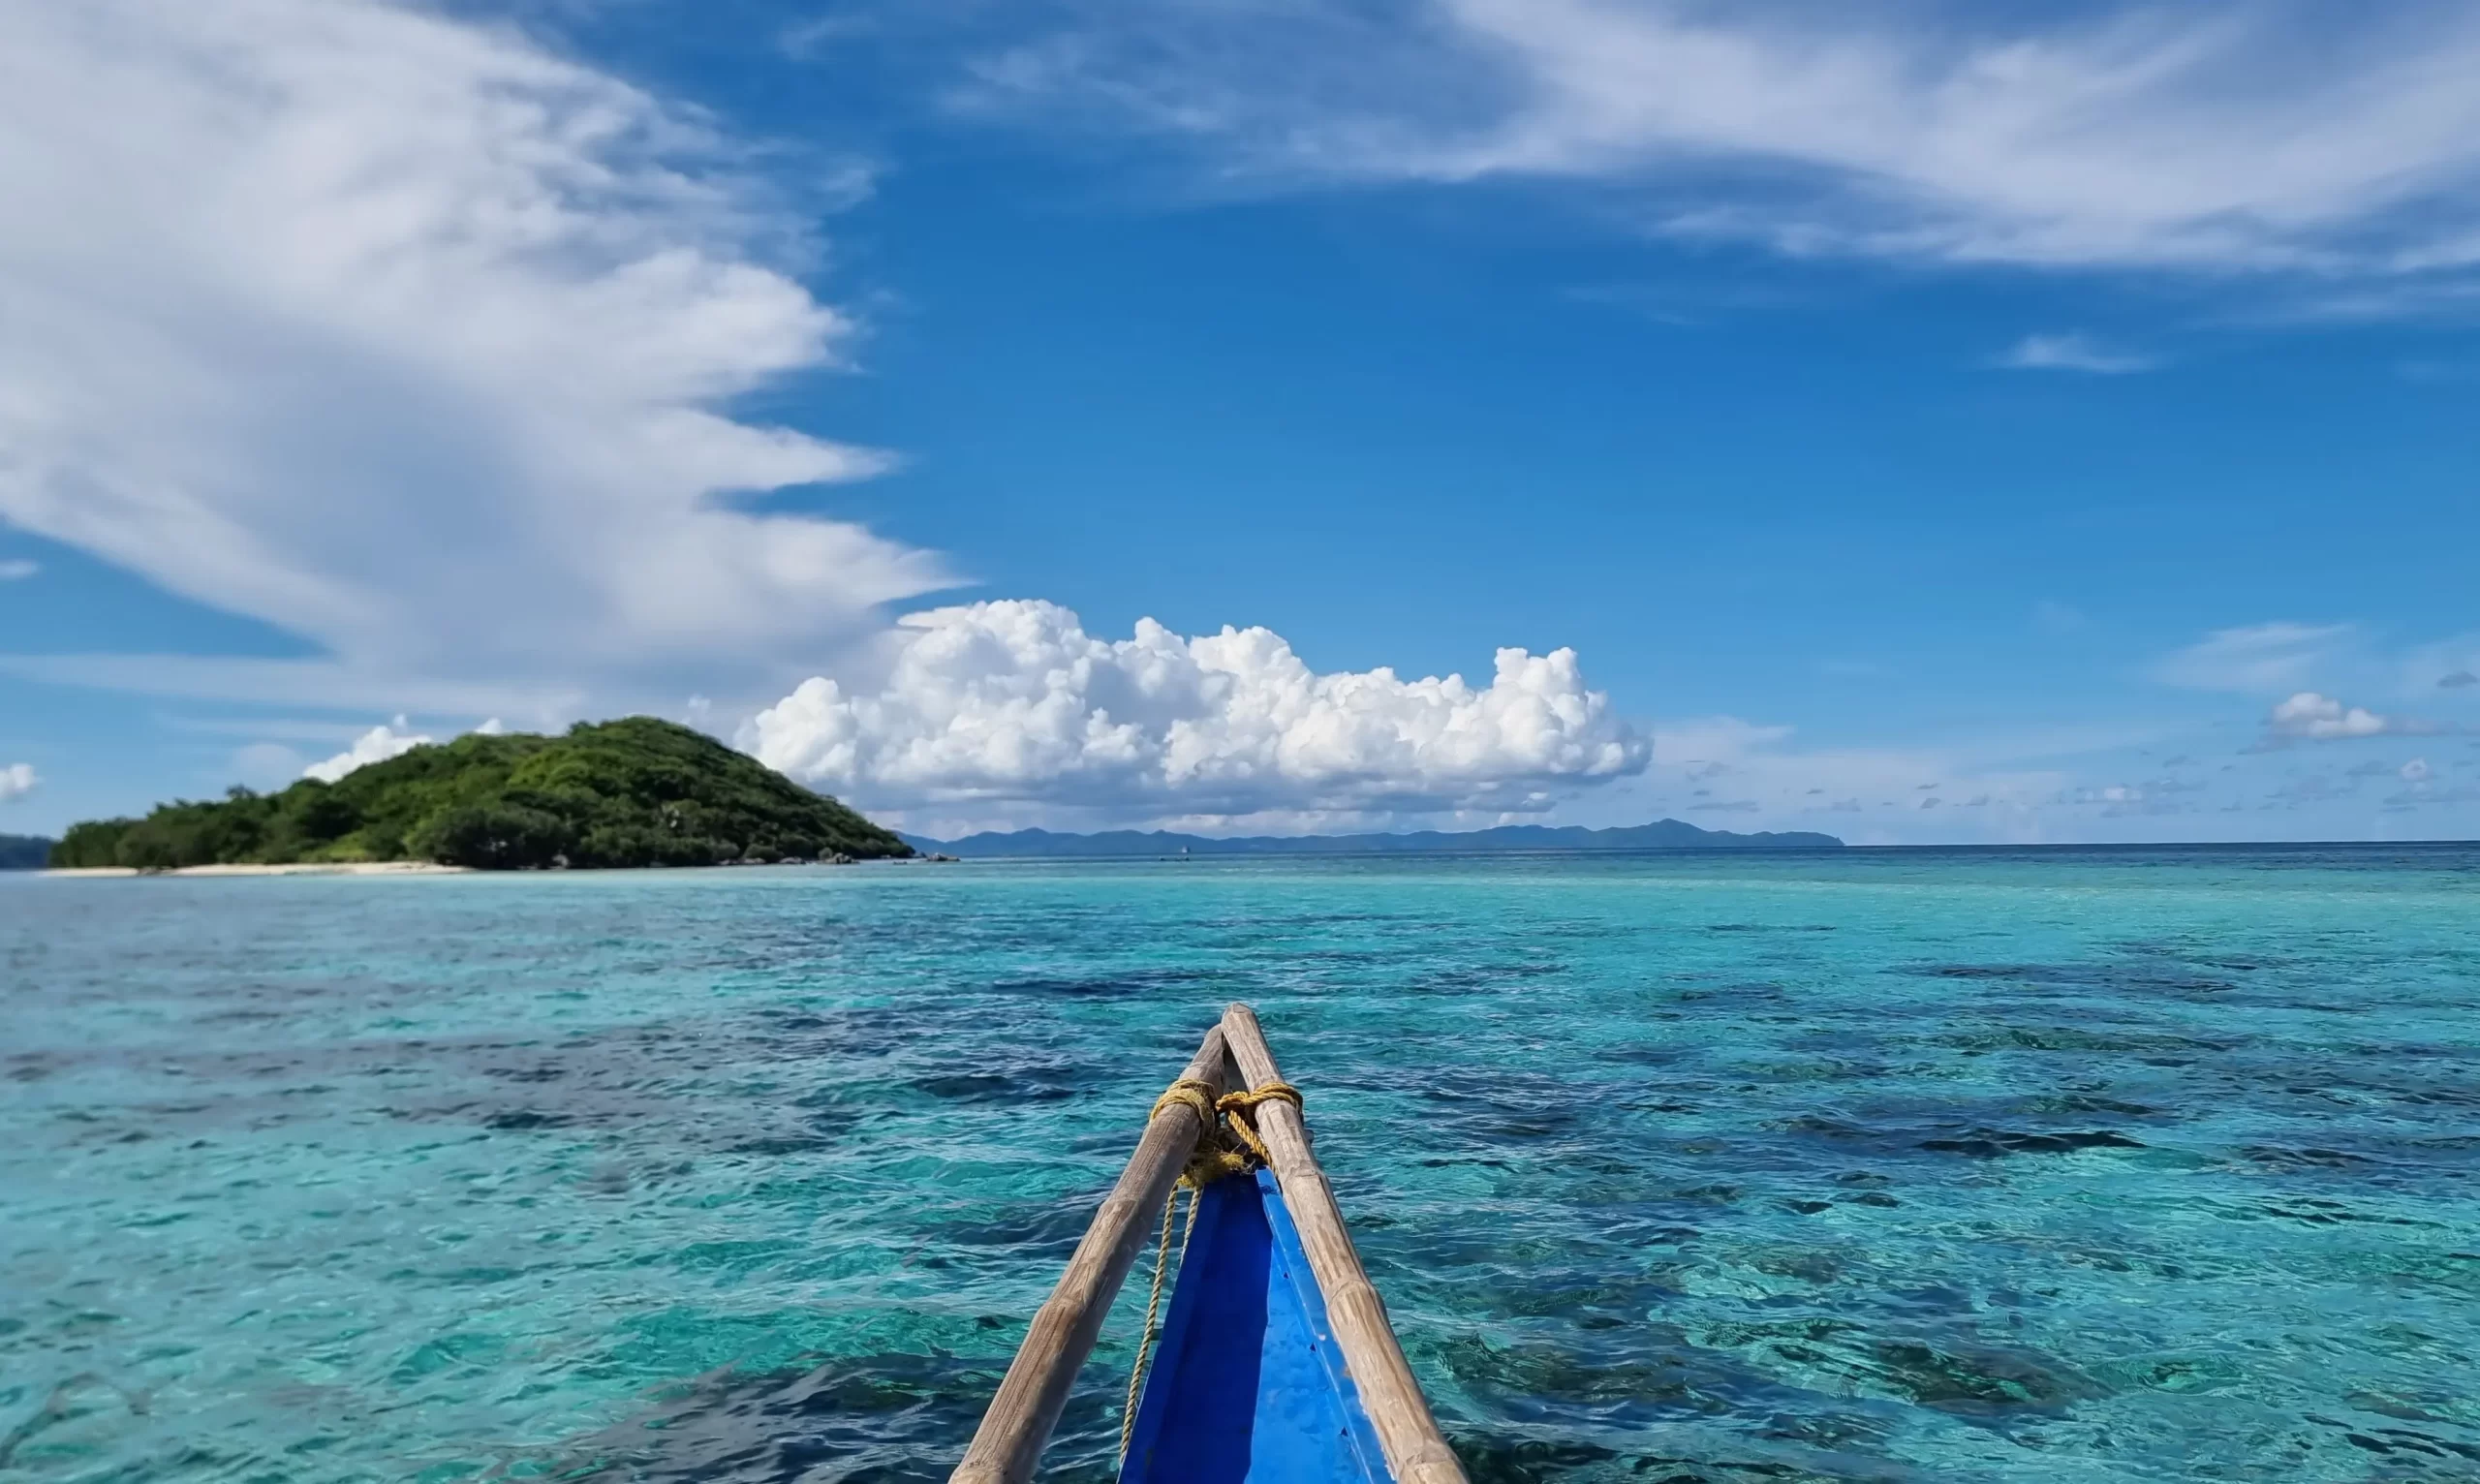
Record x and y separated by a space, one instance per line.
2104 1167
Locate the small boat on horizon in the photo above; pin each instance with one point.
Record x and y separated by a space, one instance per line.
1275 1360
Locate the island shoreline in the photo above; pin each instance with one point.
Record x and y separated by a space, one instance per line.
288 868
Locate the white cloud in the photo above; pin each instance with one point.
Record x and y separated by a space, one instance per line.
314 683
2208 136
1013 702
17 781
267 764
2312 718
412 338
2255 657
377 745
2416 771
17 570
2072 353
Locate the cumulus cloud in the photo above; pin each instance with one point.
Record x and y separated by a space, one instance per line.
1013 702
17 781
413 339
377 745
2309 716
2072 353
2207 135
2456 680
2416 771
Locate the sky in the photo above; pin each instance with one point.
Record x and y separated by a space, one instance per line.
1924 422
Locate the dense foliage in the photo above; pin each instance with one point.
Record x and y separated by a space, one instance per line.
23 852
631 793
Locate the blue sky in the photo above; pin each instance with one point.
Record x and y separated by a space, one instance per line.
2026 422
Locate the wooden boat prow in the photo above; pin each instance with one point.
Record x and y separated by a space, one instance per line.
1249 1368
1276 1361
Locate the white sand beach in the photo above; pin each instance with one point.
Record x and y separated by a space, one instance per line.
316 868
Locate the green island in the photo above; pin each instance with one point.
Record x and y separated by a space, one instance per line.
636 791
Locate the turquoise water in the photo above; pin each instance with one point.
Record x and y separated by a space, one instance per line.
1881 1166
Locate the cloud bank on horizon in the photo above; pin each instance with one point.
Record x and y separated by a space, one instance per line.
1013 702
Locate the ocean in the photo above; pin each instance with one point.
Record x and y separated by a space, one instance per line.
2059 1166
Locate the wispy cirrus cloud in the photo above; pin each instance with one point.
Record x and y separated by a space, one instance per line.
2072 353
2254 658
416 341
2213 137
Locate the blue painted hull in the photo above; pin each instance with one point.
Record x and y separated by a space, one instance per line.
1246 1383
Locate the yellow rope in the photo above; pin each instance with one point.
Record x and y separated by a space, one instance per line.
1236 1103
1196 1094
1152 1309
1213 1159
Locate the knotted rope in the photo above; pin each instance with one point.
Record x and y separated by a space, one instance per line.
1234 1104
1215 1158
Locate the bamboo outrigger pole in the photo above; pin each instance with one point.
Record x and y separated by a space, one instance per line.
1415 1450
1009 1440
1008 1444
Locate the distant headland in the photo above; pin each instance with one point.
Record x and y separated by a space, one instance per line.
1661 835
636 791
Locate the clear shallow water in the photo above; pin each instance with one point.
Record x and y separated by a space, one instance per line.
1871 1166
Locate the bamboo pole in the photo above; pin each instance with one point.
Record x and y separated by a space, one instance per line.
1009 1440
1415 1450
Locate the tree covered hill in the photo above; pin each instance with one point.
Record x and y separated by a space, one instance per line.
631 793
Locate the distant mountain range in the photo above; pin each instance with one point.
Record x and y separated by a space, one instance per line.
1661 835
23 852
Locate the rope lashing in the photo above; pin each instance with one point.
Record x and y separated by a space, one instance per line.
1235 1104
1213 1156
1216 1158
